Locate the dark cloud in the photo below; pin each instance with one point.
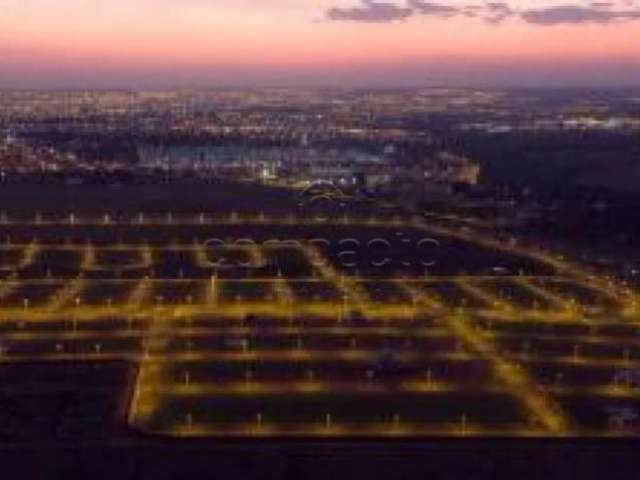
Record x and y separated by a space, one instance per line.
370 11
491 11
497 12
435 9
573 14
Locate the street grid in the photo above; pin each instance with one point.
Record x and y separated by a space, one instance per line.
290 336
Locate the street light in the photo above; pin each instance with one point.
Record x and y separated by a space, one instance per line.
463 424
396 421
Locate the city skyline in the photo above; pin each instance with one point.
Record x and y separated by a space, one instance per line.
162 43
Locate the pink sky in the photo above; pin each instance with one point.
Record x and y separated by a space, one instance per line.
179 42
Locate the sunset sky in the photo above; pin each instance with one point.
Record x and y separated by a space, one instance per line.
137 43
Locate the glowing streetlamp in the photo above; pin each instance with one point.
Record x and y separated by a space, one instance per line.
75 315
463 424
396 421
214 290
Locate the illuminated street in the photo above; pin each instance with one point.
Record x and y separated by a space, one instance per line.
253 327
